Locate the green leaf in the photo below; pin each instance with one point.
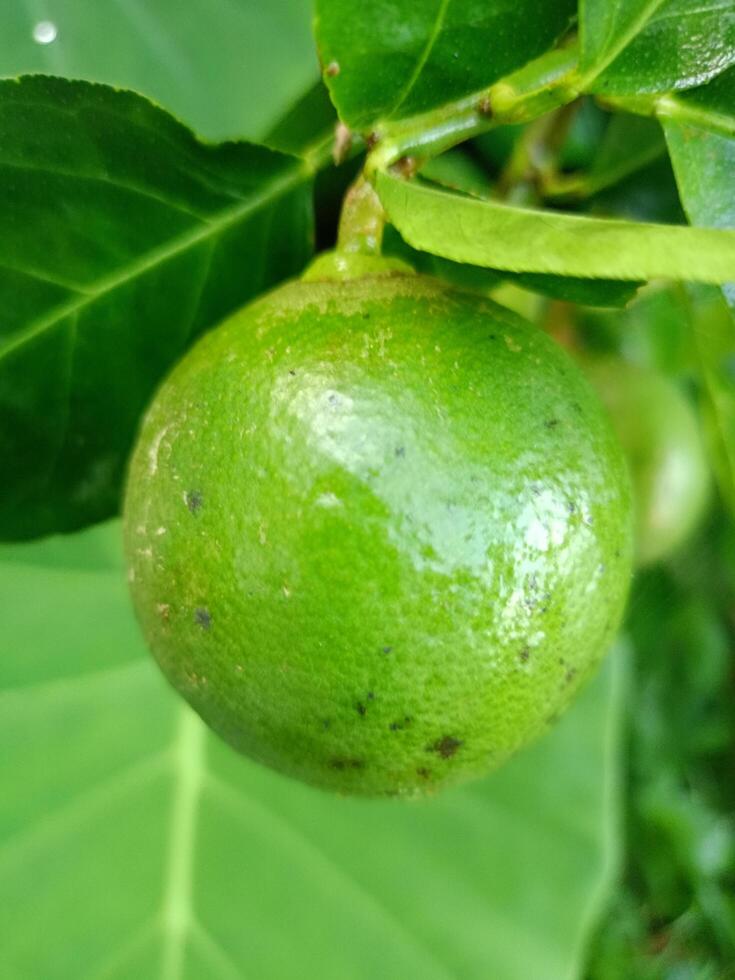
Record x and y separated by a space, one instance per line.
228 67
310 122
123 238
390 59
501 236
587 292
704 162
135 844
633 46
711 106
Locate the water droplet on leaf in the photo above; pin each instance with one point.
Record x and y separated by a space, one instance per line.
44 32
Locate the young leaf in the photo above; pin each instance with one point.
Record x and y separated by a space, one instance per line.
123 238
633 46
389 59
213 866
501 236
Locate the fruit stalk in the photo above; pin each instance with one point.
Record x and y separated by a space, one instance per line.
362 220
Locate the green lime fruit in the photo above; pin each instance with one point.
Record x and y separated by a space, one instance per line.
378 531
659 431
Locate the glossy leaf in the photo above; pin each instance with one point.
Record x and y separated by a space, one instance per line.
704 163
123 238
227 67
389 59
712 106
135 844
501 236
633 46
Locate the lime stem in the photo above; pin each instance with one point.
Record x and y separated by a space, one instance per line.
362 220
534 90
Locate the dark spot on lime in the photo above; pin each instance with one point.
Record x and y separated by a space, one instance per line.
401 724
340 763
446 746
202 618
193 500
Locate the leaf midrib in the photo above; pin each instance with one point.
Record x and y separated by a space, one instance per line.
555 234
177 908
422 59
609 54
158 256
685 113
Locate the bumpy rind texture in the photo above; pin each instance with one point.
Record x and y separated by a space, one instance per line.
378 532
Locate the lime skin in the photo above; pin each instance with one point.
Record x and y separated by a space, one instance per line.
660 435
378 532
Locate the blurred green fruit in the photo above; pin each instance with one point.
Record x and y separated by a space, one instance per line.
378 531
660 435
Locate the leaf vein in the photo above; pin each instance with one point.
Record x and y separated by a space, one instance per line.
611 52
231 798
64 819
52 686
423 57
109 181
177 909
157 256
51 280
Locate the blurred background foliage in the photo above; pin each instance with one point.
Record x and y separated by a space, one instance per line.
230 68
227 68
